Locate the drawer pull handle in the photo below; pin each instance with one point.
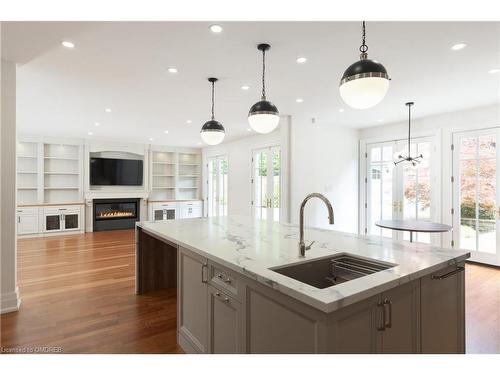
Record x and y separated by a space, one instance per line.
388 303
227 281
220 275
448 274
203 267
382 326
226 299
217 294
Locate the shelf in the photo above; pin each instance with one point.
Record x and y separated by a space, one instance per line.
58 158
187 187
190 164
62 188
188 175
26 157
163 187
163 175
63 173
27 172
26 188
163 162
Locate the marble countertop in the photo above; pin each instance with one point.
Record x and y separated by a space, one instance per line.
251 247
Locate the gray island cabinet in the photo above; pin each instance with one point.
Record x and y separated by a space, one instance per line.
233 303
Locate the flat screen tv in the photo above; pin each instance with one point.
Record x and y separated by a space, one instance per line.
104 171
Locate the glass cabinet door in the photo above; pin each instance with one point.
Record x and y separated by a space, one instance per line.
158 214
53 222
71 221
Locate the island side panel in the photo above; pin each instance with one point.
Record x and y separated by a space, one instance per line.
156 263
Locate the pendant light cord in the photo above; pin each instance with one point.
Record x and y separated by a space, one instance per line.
264 74
213 94
409 127
363 48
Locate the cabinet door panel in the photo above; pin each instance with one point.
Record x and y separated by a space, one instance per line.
353 329
402 319
443 313
225 323
27 224
192 304
71 221
52 223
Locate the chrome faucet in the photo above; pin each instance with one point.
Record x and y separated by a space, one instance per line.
302 245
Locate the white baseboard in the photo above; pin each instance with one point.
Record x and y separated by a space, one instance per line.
10 302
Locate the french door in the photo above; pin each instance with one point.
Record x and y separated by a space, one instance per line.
400 191
217 172
475 194
266 183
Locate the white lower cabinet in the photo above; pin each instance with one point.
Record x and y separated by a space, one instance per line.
27 221
222 311
61 219
190 210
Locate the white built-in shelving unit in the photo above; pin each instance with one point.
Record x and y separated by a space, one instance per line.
27 172
175 175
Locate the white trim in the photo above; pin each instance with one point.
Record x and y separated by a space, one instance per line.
10 301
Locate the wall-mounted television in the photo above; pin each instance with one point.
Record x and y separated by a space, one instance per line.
104 171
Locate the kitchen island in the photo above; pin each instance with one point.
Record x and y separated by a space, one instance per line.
235 296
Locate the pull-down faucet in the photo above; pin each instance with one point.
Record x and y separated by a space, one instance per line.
302 245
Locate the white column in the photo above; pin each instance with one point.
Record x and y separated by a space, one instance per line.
9 291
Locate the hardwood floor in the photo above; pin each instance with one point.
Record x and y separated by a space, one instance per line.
78 295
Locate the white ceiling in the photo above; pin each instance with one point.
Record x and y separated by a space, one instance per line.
123 66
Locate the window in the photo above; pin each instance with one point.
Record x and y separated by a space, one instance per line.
217 186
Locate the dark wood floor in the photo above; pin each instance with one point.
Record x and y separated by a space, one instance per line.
78 294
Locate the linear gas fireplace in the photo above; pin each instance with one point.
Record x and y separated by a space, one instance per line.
110 214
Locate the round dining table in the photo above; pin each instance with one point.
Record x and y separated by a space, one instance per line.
414 226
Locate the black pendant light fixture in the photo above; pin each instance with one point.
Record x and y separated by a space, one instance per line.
364 83
212 132
414 161
263 116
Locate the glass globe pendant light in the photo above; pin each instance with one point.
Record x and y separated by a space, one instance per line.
212 132
263 116
417 159
364 83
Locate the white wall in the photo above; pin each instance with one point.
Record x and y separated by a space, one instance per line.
324 159
9 292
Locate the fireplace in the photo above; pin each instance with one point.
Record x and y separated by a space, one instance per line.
111 214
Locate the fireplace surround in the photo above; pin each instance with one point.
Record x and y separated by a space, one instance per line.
111 214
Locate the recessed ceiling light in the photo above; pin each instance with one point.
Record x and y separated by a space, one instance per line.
216 28
188 121
299 100
493 71
341 110
150 139
249 130
90 133
301 60
165 131
172 70
68 44
199 143
380 120
245 87
97 124
108 110
458 46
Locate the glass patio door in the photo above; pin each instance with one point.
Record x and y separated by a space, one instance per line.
398 192
266 183
475 194
217 172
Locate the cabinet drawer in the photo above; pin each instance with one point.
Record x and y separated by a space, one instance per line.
27 211
224 280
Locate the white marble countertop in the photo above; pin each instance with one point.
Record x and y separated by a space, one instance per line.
251 247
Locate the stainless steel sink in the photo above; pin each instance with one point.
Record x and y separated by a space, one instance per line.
325 272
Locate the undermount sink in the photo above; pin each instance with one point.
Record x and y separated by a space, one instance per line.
326 272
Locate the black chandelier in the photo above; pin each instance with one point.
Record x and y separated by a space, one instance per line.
414 161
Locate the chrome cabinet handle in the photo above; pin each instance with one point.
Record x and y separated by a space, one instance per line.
217 294
19 219
382 326
203 279
227 281
219 275
448 274
388 303
226 299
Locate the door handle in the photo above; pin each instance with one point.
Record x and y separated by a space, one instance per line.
19 219
382 326
448 274
203 267
388 303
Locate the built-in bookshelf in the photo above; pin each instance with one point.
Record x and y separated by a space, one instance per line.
48 173
27 172
175 175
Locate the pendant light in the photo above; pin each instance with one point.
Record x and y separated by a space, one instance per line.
414 161
263 116
364 83
212 132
